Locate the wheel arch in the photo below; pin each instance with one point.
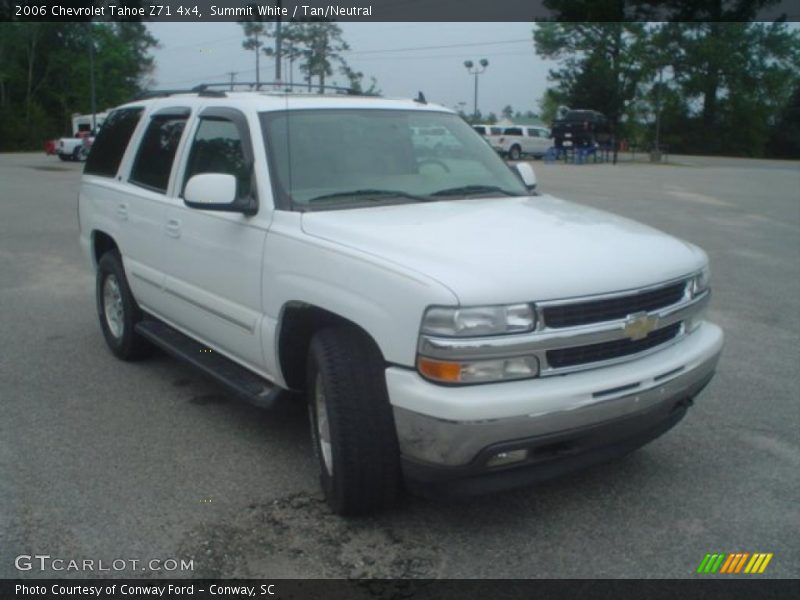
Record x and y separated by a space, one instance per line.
102 242
297 324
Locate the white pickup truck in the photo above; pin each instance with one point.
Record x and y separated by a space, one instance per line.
450 327
77 148
74 149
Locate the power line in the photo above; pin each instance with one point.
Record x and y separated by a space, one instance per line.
205 43
372 51
417 48
442 56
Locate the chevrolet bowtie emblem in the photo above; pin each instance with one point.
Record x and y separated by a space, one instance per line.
639 325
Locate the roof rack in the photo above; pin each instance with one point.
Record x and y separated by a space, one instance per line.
207 89
166 93
277 86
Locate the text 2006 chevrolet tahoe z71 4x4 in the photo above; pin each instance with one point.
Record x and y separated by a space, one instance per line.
449 325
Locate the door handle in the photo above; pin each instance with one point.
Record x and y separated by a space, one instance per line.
173 228
122 211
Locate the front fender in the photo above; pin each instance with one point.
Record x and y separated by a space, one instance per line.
385 300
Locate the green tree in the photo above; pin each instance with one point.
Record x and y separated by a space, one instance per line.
256 33
548 105
741 75
319 46
785 135
356 79
601 64
507 111
45 74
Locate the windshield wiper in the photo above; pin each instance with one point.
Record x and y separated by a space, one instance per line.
470 190
372 194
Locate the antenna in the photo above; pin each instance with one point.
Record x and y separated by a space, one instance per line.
421 98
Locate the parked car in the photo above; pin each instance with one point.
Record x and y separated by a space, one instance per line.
75 148
518 141
448 326
488 130
581 128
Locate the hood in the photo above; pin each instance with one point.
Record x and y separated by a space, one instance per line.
512 249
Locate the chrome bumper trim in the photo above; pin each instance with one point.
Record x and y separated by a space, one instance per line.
456 443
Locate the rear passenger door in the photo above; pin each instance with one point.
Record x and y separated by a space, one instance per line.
213 258
144 205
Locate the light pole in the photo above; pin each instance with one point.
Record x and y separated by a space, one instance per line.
476 70
92 93
655 155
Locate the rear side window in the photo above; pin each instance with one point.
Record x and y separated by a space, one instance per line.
513 131
156 153
109 147
480 129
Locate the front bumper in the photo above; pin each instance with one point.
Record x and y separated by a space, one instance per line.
449 434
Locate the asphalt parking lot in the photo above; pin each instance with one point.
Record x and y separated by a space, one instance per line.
101 459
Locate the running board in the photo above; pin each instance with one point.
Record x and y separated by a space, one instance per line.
243 383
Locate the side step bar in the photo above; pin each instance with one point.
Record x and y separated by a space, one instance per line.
244 384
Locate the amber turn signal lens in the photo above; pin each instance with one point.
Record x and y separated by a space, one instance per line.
439 370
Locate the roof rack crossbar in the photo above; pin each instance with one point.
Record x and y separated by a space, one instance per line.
278 85
166 93
218 89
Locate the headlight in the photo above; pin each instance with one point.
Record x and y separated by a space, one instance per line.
700 282
478 320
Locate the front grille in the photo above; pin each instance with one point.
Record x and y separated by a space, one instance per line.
580 355
596 311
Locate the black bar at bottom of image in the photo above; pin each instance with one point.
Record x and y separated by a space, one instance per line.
388 589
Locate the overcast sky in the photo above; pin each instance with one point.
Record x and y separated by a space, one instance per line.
398 55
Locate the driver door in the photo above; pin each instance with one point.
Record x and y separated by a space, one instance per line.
214 259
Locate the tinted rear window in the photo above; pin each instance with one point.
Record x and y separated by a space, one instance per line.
153 162
513 131
109 146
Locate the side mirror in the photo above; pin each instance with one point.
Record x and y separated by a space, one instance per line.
216 191
527 174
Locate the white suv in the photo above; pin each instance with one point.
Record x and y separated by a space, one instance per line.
448 326
517 141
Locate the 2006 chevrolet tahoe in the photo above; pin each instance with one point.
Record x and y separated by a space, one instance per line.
449 325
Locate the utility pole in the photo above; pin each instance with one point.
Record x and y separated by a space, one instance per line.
476 70
233 77
278 44
91 82
258 68
658 112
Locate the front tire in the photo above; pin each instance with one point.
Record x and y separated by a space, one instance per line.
352 426
515 153
118 311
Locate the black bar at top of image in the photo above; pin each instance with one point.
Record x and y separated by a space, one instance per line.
188 11
702 587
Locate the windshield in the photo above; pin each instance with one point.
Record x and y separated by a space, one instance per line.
341 158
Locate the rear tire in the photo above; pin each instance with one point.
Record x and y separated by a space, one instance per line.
515 153
118 311
352 426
